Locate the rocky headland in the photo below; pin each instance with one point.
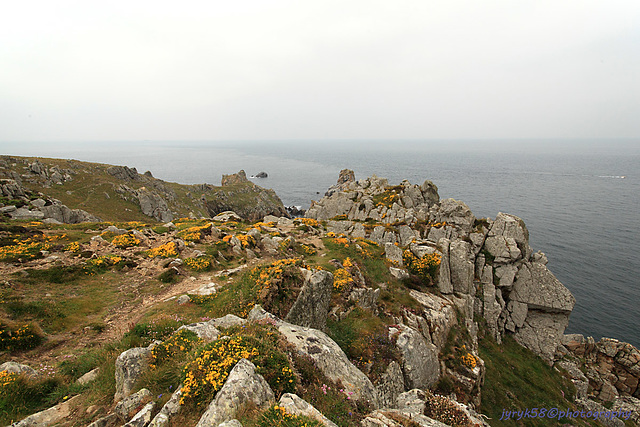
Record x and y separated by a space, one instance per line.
384 306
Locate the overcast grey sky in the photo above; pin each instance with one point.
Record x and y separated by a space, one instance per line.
276 69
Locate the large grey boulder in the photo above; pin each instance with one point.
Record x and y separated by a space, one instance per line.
331 360
312 305
439 314
243 387
143 417
129 406
420 364
63 214
18 368
542 332
294 405
454 213
49 417
390 385
537 287
168 411
393 253
228 321
130 365
512 227
153 205
204 330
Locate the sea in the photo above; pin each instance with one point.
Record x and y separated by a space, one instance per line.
580 199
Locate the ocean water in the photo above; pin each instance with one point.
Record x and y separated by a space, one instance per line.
579 199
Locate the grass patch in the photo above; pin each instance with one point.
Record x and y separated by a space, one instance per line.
517 379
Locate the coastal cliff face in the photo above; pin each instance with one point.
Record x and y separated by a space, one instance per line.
489 264
385 306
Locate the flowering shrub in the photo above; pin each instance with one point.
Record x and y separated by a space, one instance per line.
194 234
177 345
469 360
6 379
169 249
208 372
307 250
309 222
101 264
125 240
22 251
24 337
425 267
259 225
387 198
198 264
366 247
444 410
341 280
73 247
245 240
277 416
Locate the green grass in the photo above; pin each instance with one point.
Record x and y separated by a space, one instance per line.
517 379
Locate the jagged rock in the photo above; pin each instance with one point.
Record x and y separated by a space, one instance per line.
390 385
204 290
420 365
506 275
63 214
227 216
440 315
19 368
504 250
105 421
48 417
26 214
491 307
88 377
243 386
393 253
130 365
461 266
183 299
228 321
537 287
153 205
512 228
346 176
294 405
169 410
517 314
541 332
312 305
123 172
143 417
259 314
130 405
204 330
455 213
366 298
629 408
230 423
262 175
399 273
331 360
234 178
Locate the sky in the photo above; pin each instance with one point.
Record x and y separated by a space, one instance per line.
282 70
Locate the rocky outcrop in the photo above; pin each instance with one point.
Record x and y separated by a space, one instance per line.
130 365
243 387
19 368
331 360
153 205
243 197
312 305
294 405
420 364
374 199
49 417
612 367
